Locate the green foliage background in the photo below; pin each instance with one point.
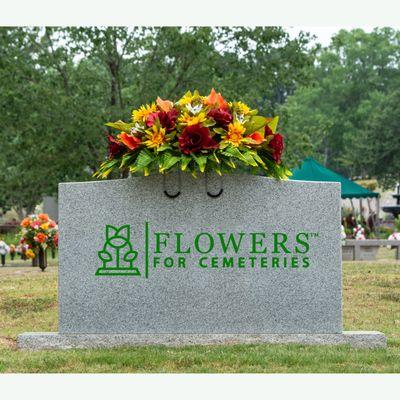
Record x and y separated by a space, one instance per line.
60 85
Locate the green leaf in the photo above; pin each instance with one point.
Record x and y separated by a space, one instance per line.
164 147
215 158
249 159
201 162
220 131
142 161
121 125
255 123
234 152
185 160
168 161
273 123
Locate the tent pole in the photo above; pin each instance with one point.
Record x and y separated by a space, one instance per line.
352 208
378 222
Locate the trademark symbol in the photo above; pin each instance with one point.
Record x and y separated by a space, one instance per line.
314 234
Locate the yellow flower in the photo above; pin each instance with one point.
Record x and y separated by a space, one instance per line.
234 135
189 120
240 107
30 254
188 97
141 114
155 137
45 226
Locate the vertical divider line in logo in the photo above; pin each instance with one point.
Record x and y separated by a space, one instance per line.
146 250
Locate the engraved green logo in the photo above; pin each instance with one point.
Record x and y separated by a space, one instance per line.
212 250
117 255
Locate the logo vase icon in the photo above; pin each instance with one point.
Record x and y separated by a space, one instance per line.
117 254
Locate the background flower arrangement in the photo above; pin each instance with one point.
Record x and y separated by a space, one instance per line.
38 232
195 134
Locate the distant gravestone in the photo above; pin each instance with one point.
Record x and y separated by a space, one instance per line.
50 207
260 263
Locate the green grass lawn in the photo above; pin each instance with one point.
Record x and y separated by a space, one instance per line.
371 296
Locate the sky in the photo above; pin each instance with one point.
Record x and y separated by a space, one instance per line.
323 33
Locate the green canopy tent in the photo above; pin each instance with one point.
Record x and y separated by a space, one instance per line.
311 170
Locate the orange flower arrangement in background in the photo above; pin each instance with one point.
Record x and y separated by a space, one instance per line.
38 231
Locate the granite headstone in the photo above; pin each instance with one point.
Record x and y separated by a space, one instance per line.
264 257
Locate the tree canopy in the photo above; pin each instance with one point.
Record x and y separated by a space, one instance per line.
347 115
59 86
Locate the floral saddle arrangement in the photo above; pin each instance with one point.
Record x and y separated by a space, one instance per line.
195 134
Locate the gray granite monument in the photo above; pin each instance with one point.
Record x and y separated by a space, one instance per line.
261 263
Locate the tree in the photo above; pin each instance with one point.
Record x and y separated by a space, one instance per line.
60 85
331 115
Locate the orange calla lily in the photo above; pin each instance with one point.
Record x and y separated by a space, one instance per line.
164 105
257 137
215 98
129 141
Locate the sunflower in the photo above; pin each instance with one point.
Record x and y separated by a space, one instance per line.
240 108
188 98
155 137
187 119
141 114
234 136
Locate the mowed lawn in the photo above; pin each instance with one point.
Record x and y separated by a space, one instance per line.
371 296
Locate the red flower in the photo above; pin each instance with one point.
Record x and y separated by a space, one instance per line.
152 118
195 138
114 147
268 131
167 119
257 137
277 145
55 239
130 141
221 117
40 237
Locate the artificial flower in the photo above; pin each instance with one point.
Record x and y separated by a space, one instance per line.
45 226
195 138
141 114
40 237
277 145
155 137
130 141
189 120
26 222
234 135
30 253
194 109
115 148
241 108
165 132
257 137
222 117
164 105
215 99
167 119
44 217
268 131
35 224
55 239
188 98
